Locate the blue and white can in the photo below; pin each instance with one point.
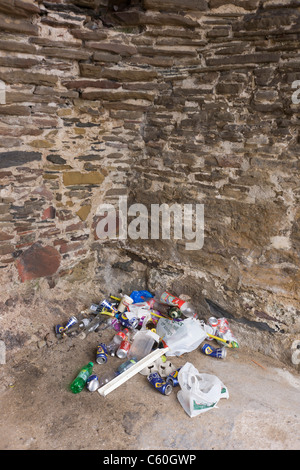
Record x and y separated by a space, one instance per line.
158 383
92 383
209 350
173 378
71 322
101 354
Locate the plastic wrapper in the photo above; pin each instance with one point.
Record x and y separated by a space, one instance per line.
181 337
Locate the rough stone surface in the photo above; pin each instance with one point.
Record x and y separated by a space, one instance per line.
195 103
38 261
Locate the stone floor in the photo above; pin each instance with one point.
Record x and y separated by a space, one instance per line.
39 412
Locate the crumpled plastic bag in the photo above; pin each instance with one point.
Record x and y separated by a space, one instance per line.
199 392
181 337
140 295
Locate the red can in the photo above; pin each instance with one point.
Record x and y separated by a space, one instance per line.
123 349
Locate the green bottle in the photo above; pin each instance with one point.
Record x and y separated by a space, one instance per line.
78 384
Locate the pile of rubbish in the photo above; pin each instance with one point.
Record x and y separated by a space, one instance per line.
147 329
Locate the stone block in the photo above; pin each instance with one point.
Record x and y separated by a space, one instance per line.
84 211
18 26
63 53
255 58
80 84
74 178
21 76
38 261
123 50
17 158
175 5
25 8
15 110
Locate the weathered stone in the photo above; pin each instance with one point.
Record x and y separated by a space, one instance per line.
5 236
17 62
93 94
77 178
41 144
17 76
16 46
38 261
246 4
17 158
49 213
228 88
18 26
107 57
245 59
131 18
80 84
19 8
56 159
89 35
63 53
123 50
15 110
84 211
175 5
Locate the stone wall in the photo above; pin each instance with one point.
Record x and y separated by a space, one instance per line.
193 104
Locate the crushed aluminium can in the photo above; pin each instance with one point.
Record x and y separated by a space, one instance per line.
173 378
124 320
123 349
92 383
59 329
108 305
158 383
101 354
209 350
71 322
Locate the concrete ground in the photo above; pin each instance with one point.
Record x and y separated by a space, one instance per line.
38 412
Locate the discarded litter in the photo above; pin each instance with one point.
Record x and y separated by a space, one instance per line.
199 392
79 382
147 329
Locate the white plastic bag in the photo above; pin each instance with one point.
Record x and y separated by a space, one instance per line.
181 336
199 392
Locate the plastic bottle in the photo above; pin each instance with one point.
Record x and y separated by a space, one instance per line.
126 365
78 384
117 340
142 344
106 377
186 308
155 304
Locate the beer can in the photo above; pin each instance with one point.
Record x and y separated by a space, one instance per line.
209 350
59 329
123 349
213 323
92 383
173 378
158 383
174 312
71 322
108 305
124 320
101 354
